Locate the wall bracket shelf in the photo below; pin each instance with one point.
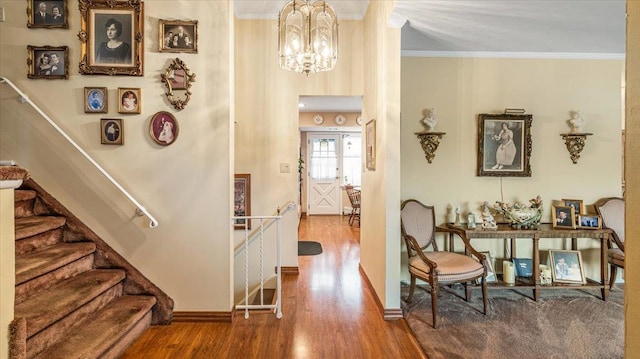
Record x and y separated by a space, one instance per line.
430 142
575 143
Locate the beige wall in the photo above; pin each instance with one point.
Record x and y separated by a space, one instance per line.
632 194
7 267
461 88
186 185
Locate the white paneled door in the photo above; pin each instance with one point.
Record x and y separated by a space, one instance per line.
324 172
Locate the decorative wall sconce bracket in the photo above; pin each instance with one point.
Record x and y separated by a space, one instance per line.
575 143
430 142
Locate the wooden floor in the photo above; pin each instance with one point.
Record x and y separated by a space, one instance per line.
328 312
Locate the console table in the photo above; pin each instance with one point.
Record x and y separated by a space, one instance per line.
504 231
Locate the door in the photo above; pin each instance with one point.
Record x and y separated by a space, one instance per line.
324 192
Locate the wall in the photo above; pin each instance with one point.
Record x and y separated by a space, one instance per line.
461 88
632 193
186 185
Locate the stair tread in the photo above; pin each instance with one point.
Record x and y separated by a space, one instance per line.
96 335
38 262
65 297
23 195
31 226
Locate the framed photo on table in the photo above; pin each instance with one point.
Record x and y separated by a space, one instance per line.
566 266
112 34
95 100
48 62
242 200
178 36
47 14
589 221
504 145
129 100
563 217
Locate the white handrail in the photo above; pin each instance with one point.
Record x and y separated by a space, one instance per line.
140 210
289 206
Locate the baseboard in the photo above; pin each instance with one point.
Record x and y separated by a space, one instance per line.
393 314
387 313
209 317
287 270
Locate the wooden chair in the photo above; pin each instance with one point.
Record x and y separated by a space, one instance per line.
354 198
437 267
612 212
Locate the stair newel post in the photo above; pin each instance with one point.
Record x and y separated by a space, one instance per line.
278 270
246 271
262 261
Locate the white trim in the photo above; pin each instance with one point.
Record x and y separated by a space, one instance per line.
515 55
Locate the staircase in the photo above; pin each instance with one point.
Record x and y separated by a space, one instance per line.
75 297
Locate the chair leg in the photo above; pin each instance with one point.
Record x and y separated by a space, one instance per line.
434 303
412 287
484 295
612 276
467 291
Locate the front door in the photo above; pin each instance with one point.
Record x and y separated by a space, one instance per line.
324 172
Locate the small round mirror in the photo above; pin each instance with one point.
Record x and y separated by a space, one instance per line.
178 80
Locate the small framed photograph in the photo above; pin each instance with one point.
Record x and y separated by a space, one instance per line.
242 200
48 62
566 266
504 145
370 145
130 100
178 36
577 204
95 100
488 262
112 34
563 217
163 128
48 14
111 131
589 221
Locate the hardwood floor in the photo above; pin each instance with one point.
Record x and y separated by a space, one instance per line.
328 312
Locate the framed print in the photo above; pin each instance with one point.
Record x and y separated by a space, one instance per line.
178 36
563 217
111 36
589 221
129 100
370 145
111 131
48 14
577 204
95 100
488 262
163 128
566 266
242 200
504 145
48 62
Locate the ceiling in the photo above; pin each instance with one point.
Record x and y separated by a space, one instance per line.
592 29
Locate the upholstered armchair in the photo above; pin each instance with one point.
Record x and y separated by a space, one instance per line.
612 212
437 267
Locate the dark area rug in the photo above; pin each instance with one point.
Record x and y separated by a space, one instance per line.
309 248
562 324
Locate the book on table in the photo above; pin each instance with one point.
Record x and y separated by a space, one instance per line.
524 267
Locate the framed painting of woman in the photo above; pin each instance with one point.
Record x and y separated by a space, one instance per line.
504 145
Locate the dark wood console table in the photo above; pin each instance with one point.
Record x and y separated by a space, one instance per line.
504 231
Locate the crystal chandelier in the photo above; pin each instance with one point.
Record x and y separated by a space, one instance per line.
308 36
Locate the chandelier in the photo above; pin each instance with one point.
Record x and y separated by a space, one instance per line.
308 36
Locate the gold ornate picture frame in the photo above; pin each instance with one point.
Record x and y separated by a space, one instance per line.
111 131
163 128
178 79
111 37
129 100
242 200
504 145
95 100
48 62
178 36
47 14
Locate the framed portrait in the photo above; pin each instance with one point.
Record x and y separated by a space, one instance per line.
95 100
112 34
242 200
48 62
504 145
370 145
563 217
566 266
589 221
47 14
111 131
178 36
163 128
130 100
577 204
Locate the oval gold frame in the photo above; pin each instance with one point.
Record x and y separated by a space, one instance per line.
157 122
178 77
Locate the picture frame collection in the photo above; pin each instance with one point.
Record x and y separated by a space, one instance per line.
572 214
112 44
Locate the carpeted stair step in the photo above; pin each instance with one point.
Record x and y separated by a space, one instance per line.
45 267
66 297
108 333
23 202
37 232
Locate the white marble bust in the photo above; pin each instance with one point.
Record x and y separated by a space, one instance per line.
430 119
576 122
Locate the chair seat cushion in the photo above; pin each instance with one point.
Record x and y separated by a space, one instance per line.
616 254
452 267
